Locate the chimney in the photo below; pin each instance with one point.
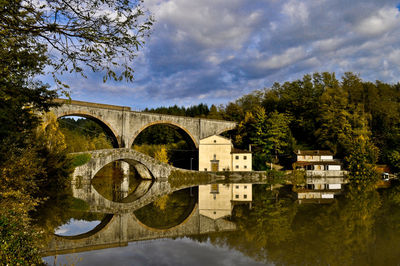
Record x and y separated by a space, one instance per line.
249 147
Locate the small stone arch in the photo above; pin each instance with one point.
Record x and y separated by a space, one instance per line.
105 125
164 122
100 158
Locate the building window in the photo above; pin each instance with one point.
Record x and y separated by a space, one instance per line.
215 212
237 157
245 166
244 157
237 166
205 169
245 187
215 141
215 156
237 186
236 196
245 196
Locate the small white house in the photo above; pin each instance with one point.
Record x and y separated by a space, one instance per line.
318 162
216 153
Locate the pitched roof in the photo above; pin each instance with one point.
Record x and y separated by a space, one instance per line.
313 152
219 136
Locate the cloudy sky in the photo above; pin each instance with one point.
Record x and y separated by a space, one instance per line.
214 51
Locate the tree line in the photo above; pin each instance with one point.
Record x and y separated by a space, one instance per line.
318 111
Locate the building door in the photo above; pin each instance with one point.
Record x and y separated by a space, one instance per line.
214 166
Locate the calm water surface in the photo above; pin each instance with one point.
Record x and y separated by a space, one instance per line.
117 220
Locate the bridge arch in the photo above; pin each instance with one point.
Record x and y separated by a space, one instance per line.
168 123
111 132
100 158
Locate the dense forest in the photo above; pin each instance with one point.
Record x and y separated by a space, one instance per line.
318 111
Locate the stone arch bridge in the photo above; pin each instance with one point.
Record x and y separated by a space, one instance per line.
159 179
120 229
124 125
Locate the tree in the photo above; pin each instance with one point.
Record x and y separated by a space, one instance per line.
214 113
102 34
334 130
360 163
273 135
161 154
63 36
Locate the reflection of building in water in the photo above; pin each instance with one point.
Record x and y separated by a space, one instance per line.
217 200
217 153
318 163
320 188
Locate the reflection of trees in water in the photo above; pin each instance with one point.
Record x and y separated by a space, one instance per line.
359 228
168 211
109 179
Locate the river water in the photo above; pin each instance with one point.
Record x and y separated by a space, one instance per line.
119 219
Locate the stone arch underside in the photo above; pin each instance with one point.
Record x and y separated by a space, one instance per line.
110 131
177 126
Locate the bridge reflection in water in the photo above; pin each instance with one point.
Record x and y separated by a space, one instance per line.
130 217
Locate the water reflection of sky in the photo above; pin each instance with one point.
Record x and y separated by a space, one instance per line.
159 252
76 227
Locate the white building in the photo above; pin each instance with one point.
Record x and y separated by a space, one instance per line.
318 163
217 200
216 153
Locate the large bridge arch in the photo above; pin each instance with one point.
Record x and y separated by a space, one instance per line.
127 124
107 127
164 122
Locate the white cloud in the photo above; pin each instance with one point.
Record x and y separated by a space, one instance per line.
288 57
297 11
380 22
328 44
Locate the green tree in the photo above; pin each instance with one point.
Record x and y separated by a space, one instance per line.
360 163
334 130
101 35
272 133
